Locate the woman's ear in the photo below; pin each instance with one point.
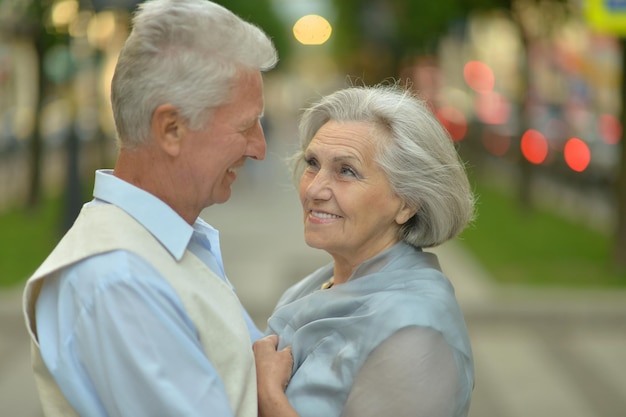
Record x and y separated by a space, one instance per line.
168 128
406 212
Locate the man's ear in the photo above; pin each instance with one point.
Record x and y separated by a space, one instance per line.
168 128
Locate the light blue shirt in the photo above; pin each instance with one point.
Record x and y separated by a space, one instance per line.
115 335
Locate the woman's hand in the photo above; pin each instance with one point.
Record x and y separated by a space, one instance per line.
273 372
273 367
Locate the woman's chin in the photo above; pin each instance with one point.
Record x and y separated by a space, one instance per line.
314 243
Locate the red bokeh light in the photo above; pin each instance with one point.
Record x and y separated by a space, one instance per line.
492 108
478 76
610 129
577 154
534 146
454 121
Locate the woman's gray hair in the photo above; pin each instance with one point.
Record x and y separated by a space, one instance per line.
415 152
187 53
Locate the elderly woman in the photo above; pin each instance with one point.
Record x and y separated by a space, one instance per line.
378 331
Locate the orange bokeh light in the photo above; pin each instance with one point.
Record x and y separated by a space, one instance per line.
534 146
312 29
479 76
577 154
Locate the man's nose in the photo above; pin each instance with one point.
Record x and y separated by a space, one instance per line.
257 145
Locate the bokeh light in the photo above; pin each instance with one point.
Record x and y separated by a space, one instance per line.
610 129
534 146
101 29
63 13
454 121
312 29
577 154
492 108
479 76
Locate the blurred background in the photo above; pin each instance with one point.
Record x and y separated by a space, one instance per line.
531 91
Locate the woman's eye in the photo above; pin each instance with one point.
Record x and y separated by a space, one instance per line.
311 162
348 171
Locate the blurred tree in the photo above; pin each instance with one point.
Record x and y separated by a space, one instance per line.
24 19
263 14
366 39
535 19
374 37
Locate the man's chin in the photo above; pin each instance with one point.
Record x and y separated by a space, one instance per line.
223 196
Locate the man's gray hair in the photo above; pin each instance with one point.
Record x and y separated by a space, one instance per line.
187 53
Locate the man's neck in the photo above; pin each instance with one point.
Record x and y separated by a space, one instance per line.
154 172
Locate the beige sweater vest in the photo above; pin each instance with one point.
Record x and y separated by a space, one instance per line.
210 303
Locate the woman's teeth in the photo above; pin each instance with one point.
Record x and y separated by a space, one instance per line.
321 215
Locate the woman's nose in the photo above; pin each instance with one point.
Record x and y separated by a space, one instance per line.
319 187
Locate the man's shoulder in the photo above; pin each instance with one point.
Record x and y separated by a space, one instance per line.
98 230
113 268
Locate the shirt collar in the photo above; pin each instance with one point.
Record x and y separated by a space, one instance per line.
171 230
211 234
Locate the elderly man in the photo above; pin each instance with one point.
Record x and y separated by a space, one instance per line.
131 314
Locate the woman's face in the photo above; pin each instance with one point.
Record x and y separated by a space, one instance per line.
350 210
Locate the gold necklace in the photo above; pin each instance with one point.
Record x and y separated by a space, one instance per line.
328 284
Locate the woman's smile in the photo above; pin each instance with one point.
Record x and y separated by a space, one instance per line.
316 216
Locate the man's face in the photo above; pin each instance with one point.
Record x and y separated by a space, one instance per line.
232 134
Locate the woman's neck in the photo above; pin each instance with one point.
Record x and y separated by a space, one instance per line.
346 265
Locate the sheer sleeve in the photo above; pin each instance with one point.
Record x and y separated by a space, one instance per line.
412 373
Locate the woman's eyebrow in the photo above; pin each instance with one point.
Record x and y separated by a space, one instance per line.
347 157
336 158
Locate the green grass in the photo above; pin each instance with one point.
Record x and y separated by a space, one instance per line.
538 247
26 238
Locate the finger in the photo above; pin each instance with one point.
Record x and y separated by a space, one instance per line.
268 343
287 355
273 339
